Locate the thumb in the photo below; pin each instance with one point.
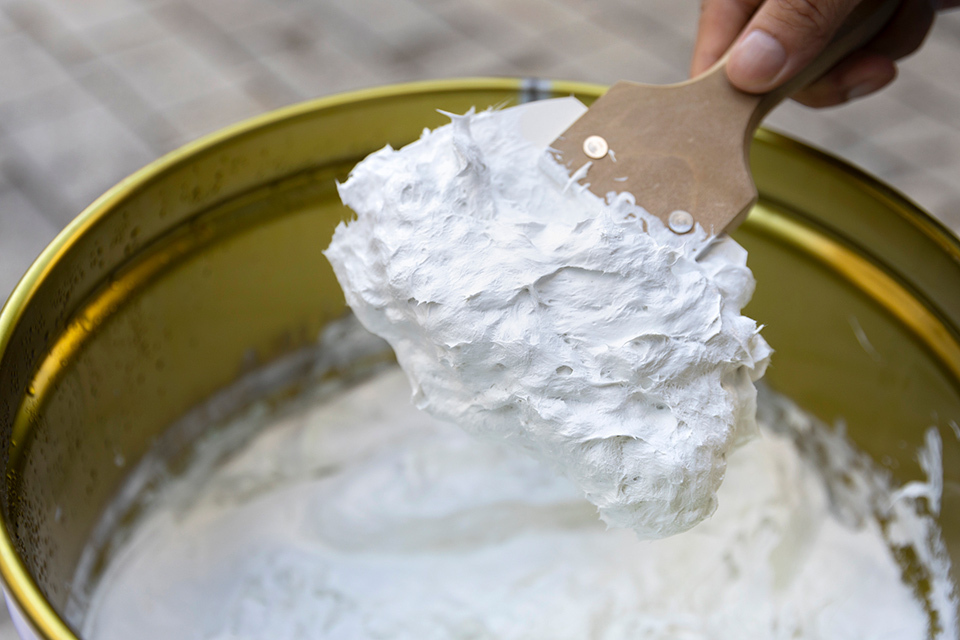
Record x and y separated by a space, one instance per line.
782 38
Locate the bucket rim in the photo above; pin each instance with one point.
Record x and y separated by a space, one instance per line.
19 585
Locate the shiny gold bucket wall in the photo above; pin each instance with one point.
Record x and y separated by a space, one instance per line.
207 264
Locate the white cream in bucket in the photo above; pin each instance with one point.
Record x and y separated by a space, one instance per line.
355 515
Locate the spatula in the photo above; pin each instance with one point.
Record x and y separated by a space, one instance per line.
682 149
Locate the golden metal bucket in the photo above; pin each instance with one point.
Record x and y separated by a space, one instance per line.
207 264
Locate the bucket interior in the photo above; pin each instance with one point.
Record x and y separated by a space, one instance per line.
207 265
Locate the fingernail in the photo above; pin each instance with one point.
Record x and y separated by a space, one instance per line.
757 61
862 89
866 85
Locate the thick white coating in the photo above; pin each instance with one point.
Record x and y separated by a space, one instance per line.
362 518
532 312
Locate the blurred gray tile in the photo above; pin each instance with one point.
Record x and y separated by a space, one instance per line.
938 58
23 235
431 4
535 17
131 29
947 26
27 68
230 52
584 8
212 111
924 142
79 157
387 17
6 27
814 126
577 38
635 22
233 14
281 33
876 159
349 34
569 70
43 24
7 630
869 116
110 89
80 15
626 61
419 49
203 34
166 72
271 91
320 70
927 95
469 59
96 75
19 171
481 23
681 16
527 60
44 105
407 51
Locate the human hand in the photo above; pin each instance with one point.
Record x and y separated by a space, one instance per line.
774 39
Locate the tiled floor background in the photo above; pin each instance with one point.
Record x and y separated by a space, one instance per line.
91 90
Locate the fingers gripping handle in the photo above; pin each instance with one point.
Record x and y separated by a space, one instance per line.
866 21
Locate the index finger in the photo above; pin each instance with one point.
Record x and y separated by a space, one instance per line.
721 21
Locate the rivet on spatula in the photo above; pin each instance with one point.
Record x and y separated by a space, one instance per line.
680 222
595 147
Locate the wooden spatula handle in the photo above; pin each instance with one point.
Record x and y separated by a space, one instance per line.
683 149
736 111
